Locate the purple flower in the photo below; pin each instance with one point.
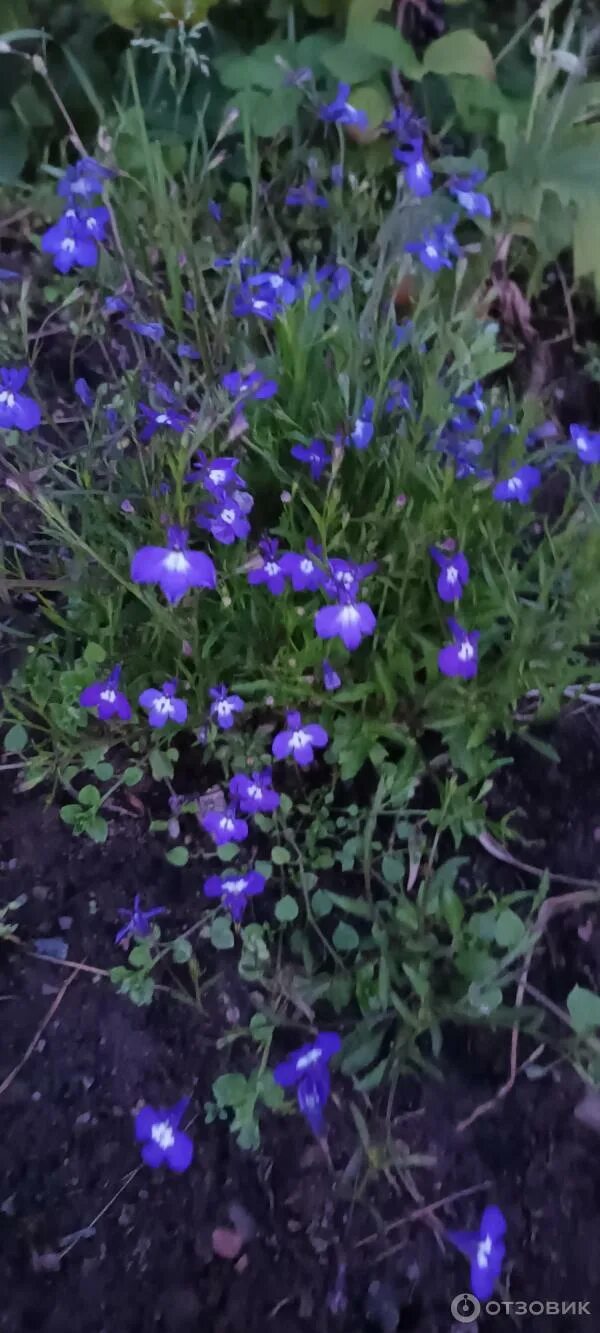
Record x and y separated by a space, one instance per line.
17 411
405 124
215 210
362 434
472 200
174 567
417 173
402 333
271 570
348 620
460 658
94 222
224 706
346 574
587 443
484 1249
331 680
188 351
215 474
400 396
436 247
165 419
163 1140
70 245
234 889
519 486
107 698
84 393
299 741
453 576
341 112
304 571
307 1070
224 519
337 174
224 826
189 303
306 196
153 330
254 793
473 401
338 278
163 706
83 180
115 305
253 385
137 922
315 454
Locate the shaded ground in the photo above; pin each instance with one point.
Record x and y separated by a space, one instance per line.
66 1139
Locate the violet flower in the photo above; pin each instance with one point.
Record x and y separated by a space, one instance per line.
461 657
453 576
188 351
400 396
270 571
341 112
215 210
137 922
84 179
254 793
331 680
174 567
305 571
473 201
215 474
70 245
163 706
252 385
417 173
151 329
224 518
307 1070
347 620
224 826
164 1142
299 741
587 443
107 698
83 391
315 454
484 1249
519 486
164 419
348 575
224 706
234 889
17 410
436 248
362 434
306 196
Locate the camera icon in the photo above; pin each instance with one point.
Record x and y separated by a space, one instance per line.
465 1308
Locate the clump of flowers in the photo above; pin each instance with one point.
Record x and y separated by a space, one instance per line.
73 240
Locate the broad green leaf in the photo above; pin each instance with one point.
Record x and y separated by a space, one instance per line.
584 1009
227 852
178 856
460 52
104 771
286 909
94 654
181 950
89 796
132 776
221 934
393 868
230 1090
280 856
509 929
275 111
386 43
321 903
97 829
351 62
375 100
345 938
16 739
160 765
586 242
13 147
362 13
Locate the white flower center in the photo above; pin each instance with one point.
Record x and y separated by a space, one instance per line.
163 1135
420 169
345 577
271 568
8 398
299 739
483 1250
162 419
451 574
349 615
254 792
306 566
465 198
164 705
224 708
514 484
228 515
176 563
582 444
68 244
311 1058
227 824
218 476
235 886
466 651
108 696
431 251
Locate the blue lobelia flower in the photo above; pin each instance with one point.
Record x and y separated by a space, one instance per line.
164 1142
337 174
417 173
165 418
299 741
224 518
215 210
251 385
83 180
453 576
341 112
270 571
484 1249
115 305
587 443
436 248
137 922
83 391
174 567
461 657
224 706
305 571
70 244
472 200
152 329
307 1070
362 432
315 454
400 396
348 575
306 196
234 889
215 474
224 826
473 401
331 680
188 351
519 486
106 696
163 706
17 410
337 279
254 792
348 620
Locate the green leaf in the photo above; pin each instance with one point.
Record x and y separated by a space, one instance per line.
484 999
89 796
362 13
104 771
160 765
264 868
16 739
13 147
230 1090
509 929
132 776
360 1050
280 856
227 852
586 242
274 112
270 1092
459 52
94 654
321 903
387 44
345 938
374 99
286 909
352 63
181 950
97 829
353 906
70 813
221 934
393 868
584 1009
178 856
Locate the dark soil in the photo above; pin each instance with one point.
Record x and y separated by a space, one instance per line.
66 1132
